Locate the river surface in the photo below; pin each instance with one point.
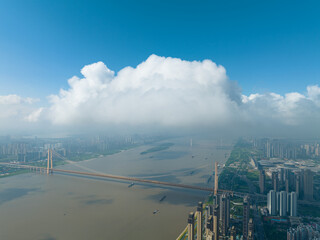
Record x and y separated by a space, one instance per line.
66 207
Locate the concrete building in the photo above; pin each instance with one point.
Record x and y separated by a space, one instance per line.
216 222
304 232
206 215
209 225
289 180
282 176
215 201
233 234
278 201
308 185
225 213
199 221
288 203
191 226
262 181
293 204
210 209
268 149
298 189
272 202
283 204
245 221
291 234
210 236
275 181
287 185
250 230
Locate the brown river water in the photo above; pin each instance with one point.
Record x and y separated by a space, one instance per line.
66 207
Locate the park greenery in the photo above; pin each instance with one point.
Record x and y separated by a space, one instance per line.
253 175
236 168
240 155
230 180
275 230
309 210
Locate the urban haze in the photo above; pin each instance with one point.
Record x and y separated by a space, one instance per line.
161 120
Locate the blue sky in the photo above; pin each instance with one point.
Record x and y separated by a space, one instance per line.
264 45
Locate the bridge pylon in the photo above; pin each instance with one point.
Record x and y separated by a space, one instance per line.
215 178
49 162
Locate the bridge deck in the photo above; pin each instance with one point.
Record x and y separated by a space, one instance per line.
133 179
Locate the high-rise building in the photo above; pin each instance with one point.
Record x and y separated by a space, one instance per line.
287 186
298 189
215 201
209 225
245 221
283 203
233 233
317 150
308 185
291 181
304 232
275 181
282 175
199 221
228 211
210 208
278 201
206 215
272 202
288 180
225 213
191 226
262 181
291 234
216 222
293 204
250 230
268 149
210 236
288 203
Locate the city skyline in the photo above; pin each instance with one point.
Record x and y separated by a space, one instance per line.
260 180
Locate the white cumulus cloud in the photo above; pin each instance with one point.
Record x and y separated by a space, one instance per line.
166 93
170 92
161 91
14 111
34 115
14 106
